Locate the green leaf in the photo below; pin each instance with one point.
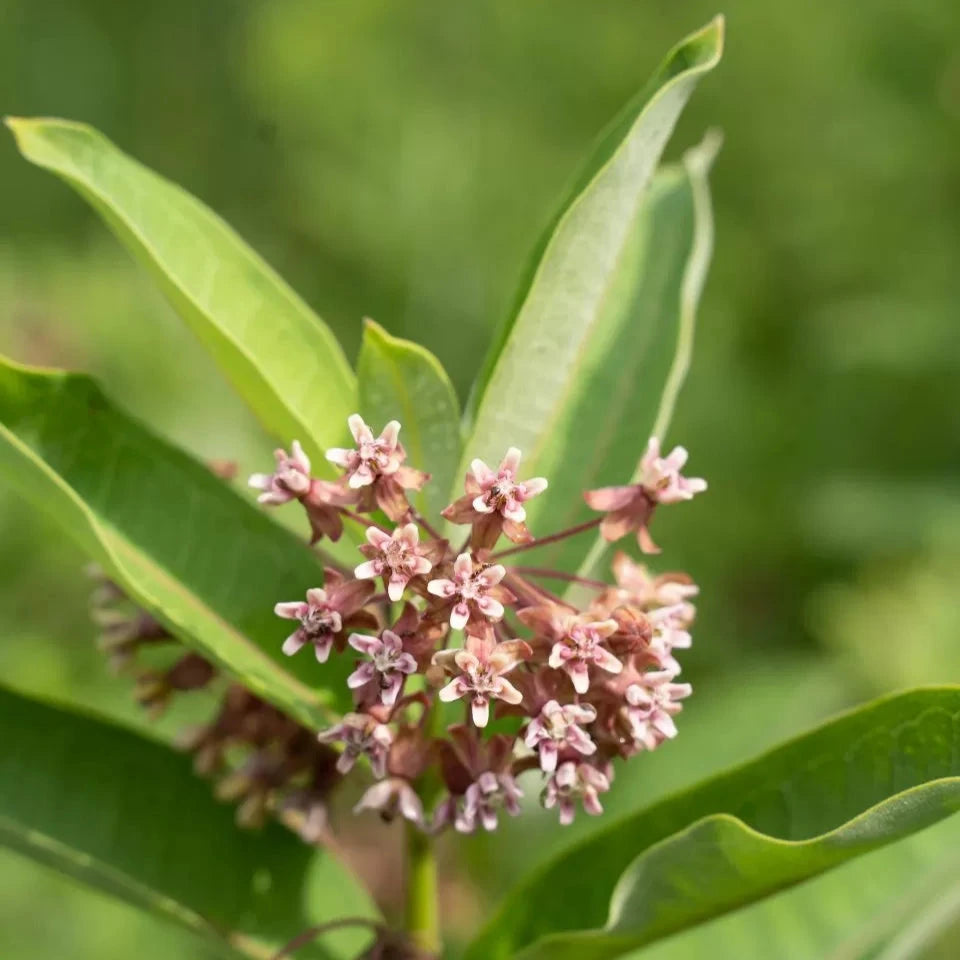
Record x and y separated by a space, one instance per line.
578 375
128 815
280 356
850 913
860 781
206 562
400 380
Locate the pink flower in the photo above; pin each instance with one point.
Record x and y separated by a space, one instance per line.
391 797
483 665
572 781
661 478
396 557
388 664
580 647
361 735
500 492
494 501
558 727
323 614
631 507
290 480
319 623
482 799
639 586
372 457
471 589
653 705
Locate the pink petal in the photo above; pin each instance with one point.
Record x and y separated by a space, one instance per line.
559 654
463 567
294 642
293 610
480 710
410 805
260 481
492 575
490 608
390 433
298 457
392 642
607 499
481 505
591 803
442 588
579 675
506 691
322 650
511 462
605 660
567 812
340 457
459 616
533 487
359 429
454 690
389 693
405 663
396 586
548 756
361 676
377 538
361 477
408 535
371 646
317 596
664 723
421 565
367 571
482 473
513 510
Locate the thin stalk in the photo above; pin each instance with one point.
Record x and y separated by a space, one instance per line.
560 575
310 934
358 518
425 524
553 538
422 914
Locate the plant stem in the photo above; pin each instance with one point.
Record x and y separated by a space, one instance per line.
420 519
422 910
560 575
553 538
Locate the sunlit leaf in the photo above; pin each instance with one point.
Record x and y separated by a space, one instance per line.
400 380
279 355
577 376
206 562
128 815
858 782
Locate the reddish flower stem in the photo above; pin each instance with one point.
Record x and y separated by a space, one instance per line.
358 518
553 538
560 575
520 586
425 524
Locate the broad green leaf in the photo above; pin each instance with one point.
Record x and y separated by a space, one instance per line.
279 355
852 913
202 559
128 815
867 778
579 373
400 380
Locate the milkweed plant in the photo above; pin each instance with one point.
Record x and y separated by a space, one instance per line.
463 618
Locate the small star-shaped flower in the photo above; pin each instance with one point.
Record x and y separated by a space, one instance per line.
289 481
482 665
396 557
573 781
361 735
472 591
388 665
322 616
482 799
580 647
652 705
556 728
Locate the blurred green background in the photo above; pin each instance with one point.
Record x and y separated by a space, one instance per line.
398 160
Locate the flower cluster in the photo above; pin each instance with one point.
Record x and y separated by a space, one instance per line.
572 686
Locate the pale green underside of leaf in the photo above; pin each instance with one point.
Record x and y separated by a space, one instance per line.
204 561
400 380
860 781
280 356
578 376
127 815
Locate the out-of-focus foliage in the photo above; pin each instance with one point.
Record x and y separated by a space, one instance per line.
399 161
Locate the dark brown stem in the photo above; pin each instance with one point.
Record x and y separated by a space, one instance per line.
524 587
423 522
358 518
560 575
553 538
311 933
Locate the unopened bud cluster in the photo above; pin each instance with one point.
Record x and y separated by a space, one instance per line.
569 687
